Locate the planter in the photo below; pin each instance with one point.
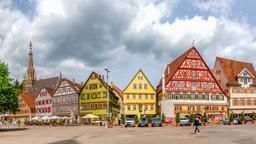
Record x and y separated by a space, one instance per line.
205 123
136 125
191 124
163 124
110 126
231 123
122 125
177 124
150 125
242 122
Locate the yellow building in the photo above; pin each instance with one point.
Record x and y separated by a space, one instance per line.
139 97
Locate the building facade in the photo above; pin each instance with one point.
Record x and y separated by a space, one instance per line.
43 102
188 86
238 80
26 107
66 99
139 97
93 98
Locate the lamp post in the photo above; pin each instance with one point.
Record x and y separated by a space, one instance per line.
107 71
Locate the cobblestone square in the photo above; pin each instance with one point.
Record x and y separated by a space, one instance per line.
214 134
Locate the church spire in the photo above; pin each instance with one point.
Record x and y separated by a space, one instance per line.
30 75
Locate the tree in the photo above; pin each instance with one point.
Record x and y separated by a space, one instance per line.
163 119
192 118
177 118
8 92
205 117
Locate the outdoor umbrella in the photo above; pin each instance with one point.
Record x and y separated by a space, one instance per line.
35 118
91 116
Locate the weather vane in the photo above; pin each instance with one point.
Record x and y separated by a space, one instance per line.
193 43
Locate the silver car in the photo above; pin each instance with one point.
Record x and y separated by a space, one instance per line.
129 122
184 121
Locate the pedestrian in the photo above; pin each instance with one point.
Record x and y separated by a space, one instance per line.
197 123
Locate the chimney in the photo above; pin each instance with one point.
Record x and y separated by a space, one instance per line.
102 77
111 84
82 83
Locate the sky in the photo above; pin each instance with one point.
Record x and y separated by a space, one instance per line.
78 37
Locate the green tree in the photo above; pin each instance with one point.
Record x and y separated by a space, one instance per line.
8 92
177 118
192 118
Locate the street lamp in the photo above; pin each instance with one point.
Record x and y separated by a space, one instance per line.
107 71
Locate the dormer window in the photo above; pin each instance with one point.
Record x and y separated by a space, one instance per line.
246 78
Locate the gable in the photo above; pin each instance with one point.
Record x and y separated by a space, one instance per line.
64 88
139 84
192 75
245 73
43 94
93 83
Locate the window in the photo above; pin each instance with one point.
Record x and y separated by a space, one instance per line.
134 107
146 96
243 102
146 107
181 96
193 85
134 86
196 96
249 102
128 107
151 107
140 97
192 96
254 102
152 97
88 96
93 86
127 96
140 86
100 106
134 96
145 86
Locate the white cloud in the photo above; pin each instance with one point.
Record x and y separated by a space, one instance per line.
221 7
78 37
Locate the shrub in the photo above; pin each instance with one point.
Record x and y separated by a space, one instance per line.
136 119
231 117
205 117
177 118
192 118
150 119
242 117
253 116
163 118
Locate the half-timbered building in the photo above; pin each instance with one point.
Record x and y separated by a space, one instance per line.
188 86
66 99
43 102
238 79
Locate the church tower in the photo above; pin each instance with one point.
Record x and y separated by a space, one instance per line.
30 75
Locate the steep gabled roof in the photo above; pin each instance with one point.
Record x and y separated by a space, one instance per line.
173 67
232 68
100 79
42 83
75 86
135 77
118 91
29 99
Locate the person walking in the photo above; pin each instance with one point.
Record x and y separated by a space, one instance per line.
197 124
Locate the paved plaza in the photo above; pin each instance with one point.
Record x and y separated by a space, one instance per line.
215 134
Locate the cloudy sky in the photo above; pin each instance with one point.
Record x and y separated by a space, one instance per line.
77 37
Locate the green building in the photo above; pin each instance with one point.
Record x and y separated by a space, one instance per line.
93 98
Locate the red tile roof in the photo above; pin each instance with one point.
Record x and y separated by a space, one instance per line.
118 91
29 99
232 68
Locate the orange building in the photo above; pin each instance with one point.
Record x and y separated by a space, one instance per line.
238 79
26 106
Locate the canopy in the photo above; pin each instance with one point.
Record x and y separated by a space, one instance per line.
45 118
55 117
35 118
65 117
91 116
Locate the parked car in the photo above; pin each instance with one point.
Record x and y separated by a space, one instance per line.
143 122
235 122
129 122
184 121
156 122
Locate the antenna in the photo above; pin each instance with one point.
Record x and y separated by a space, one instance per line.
193 43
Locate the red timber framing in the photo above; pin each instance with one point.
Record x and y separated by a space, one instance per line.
190 73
